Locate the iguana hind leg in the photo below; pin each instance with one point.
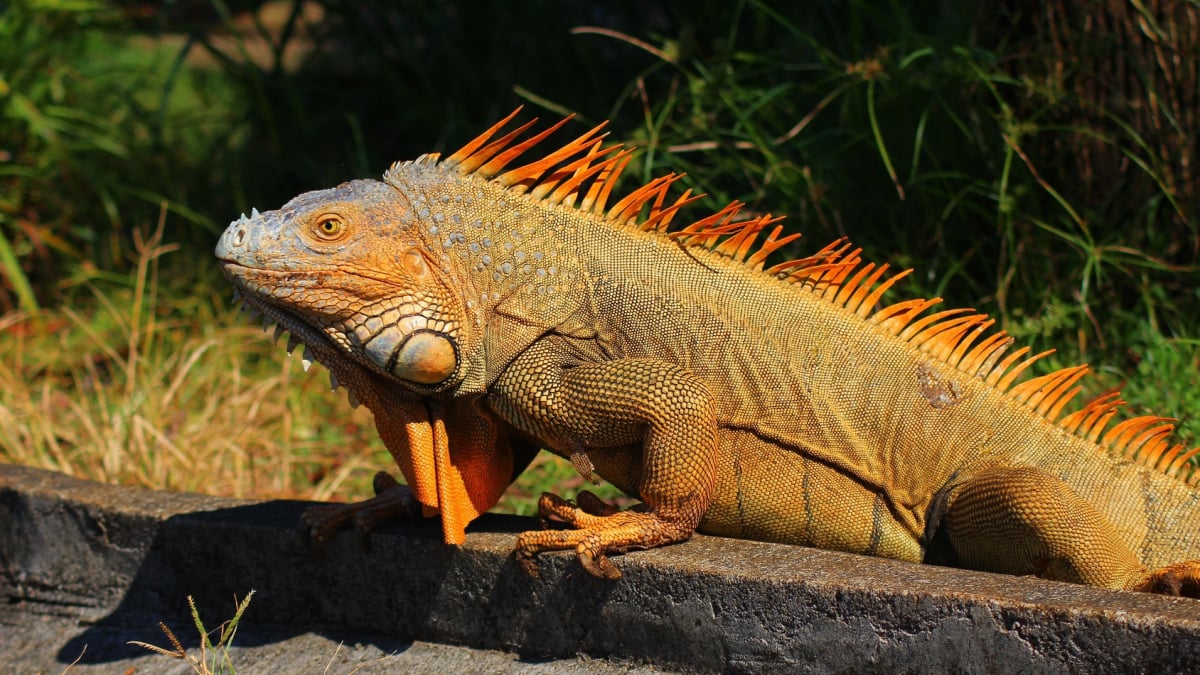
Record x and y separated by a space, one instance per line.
1181 579
1022 520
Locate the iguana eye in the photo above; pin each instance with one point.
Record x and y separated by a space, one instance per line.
329 227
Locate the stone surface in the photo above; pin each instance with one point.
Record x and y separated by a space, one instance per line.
96 565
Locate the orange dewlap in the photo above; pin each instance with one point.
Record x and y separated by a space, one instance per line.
459 480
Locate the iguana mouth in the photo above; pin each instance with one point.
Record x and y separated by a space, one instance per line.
425 357
320 347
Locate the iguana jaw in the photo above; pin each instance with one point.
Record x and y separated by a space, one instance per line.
424 357
320 346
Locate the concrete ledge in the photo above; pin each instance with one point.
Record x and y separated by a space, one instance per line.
89 564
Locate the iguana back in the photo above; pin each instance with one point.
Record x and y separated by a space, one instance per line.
480 310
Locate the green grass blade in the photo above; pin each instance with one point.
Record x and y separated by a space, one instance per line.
16 276
879 144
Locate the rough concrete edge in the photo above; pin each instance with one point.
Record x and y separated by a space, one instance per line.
710 604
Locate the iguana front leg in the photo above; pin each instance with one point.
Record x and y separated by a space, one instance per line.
661 406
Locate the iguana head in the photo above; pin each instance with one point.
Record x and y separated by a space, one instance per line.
343 270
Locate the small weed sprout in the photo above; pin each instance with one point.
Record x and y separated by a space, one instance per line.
213 658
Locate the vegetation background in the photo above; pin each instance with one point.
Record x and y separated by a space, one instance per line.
1035 162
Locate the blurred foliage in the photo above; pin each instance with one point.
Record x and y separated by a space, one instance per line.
943 136
1033 161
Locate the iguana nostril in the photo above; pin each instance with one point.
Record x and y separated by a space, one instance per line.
239 237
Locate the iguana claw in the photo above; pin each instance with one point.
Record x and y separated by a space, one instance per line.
602 529
391 500
1181 579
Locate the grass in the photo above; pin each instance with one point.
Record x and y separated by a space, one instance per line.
214 658
145 388
177 395
121 360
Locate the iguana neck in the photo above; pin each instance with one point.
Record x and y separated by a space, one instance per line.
516 261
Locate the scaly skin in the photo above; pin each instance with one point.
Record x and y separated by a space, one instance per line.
482 311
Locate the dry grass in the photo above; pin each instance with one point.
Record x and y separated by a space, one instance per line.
177 395
175 390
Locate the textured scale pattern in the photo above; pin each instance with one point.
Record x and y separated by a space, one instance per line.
837 274
486 304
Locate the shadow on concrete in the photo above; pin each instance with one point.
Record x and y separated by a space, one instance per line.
218 556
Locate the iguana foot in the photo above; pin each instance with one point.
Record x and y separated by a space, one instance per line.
391 500
1181 579
601 529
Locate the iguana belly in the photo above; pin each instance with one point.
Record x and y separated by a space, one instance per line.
769 493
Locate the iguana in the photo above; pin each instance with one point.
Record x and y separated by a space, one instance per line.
484 307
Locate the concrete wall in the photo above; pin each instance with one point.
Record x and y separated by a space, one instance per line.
84 563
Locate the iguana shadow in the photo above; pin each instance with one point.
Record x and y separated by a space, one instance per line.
399 584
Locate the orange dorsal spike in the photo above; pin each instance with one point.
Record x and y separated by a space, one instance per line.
1096 425
655 209
942 337
1027 389
543 186
1010 376
833 276
475 160
996 373
597 195
864 289
913 329
741 239
476 143
985 354
833 252
1053 400
707 223
851 287
588 170
1121 436
1085 419
773 243
581 170
563 154
662 220
837 269
960 351
1180 459
583 173
873 297
1148 446
1048 391
895 317
633 202
501 160
818 276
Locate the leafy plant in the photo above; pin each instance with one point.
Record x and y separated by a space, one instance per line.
98 131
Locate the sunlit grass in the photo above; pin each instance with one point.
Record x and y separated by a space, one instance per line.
183 392
138 388
910 137
214 657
